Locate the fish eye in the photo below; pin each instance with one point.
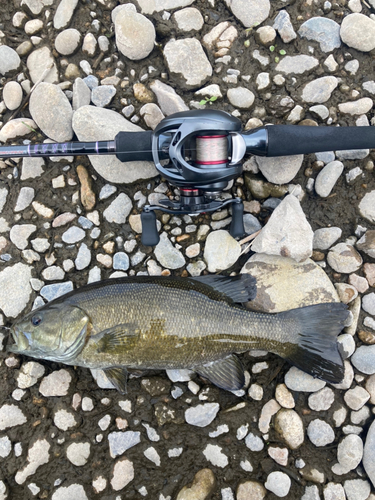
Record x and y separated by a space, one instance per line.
36 319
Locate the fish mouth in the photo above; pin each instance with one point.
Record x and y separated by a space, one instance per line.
21 343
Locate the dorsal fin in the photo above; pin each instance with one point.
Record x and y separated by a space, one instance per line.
238 289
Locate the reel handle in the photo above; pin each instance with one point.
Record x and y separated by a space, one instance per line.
150 236
237 229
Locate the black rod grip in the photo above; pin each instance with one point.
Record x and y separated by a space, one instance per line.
134 146
237 229
285 140
150 236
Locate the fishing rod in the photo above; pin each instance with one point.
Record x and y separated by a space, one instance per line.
200 151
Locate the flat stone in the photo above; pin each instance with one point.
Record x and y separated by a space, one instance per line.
319 90
187 62
357 489
15 289
356 398
290 427
32 168
12 95
311 493
367 206
321 400
334 491
221 251
135 34
358 32
51 292
327 178
250 12
349 454
344 258
280 170
91 123
297 65
325 237
29 374
367 243
278 483
286 233
38 62
241 97
64 13
169 101
37 455
152 114
119 442
322 30
78 453
75 491
254 442
297 380
9 60
19 127
56 383
73 235
320 433
188 19
359 107
81 94
11 416
368 303
214 454
284 26
123 473
103 95
268 411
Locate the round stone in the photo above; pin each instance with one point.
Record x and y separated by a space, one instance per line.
344 258
221 251
290 427
279 483
320 433
67 42
12 95
9 60
135 34
188 19
358 31
240 97
251 489
367 206
319 90
78 453
321 400
327 178
250 12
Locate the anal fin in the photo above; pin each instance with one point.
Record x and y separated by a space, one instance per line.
225 373
118 377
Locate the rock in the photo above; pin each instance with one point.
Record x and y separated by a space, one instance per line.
368 303
359 107
9 60
135 34
122 474
250 12
251 224
149 7
334 491
280 170
99 124
64 13
188 19
38 62
221 251
19 127
284 26
284 284
15 289
253 442
344 258
119 442
327 178
52 112
349 454
346 345
75 491
168 100
167 255
32 168
180 375
297 380
220 38
369 270
81 94
364 359
290 427
250 489
37 455
240 97
320 433
296 65
266 35
12 95
367 206
214 454
56 384
311 493
151 114
51 292
78 453
286 233
348 377
29 374
25 198
321 400
64 420
11 416
73 235
268 411
358 31
357 489
368 453
367 243
284 396
319 90
119 209
67 42
278 483
356 398
187 62
325 237
322 30
102 95
201 488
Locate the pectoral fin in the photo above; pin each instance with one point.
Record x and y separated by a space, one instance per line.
118 377
226 373
117 337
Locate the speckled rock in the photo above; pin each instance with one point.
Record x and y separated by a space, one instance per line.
251 489
221 251
135 34
344 258
201 487
15 289
290 427
167 255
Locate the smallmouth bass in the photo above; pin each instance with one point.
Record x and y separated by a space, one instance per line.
152 322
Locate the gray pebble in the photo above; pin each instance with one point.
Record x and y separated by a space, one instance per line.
51 292
322 30
67 42
102 95
240 97
73 235
19 235
83 258
119 442
325 237
121 261
319 90
320 433
321 400
358 31
357 489
119 209
253 442
284 27
327 178
25 198
9 60
297 380
12 95
278 483
202 415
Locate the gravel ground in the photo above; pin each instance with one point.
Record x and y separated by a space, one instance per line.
106 66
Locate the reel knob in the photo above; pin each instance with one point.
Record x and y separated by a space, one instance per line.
150 236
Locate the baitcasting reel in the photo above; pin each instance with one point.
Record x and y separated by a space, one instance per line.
200 152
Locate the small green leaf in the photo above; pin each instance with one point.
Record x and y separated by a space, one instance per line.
282 52
202 102
213 98
277 59
272 48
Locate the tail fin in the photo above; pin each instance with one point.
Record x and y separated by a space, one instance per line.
316 349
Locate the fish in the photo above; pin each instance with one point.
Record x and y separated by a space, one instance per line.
159 323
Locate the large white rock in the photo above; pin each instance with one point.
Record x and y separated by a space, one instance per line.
280 170
250 12
135 34
37 455
98 124
287 232
38 61
358 31
15 289
221 251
